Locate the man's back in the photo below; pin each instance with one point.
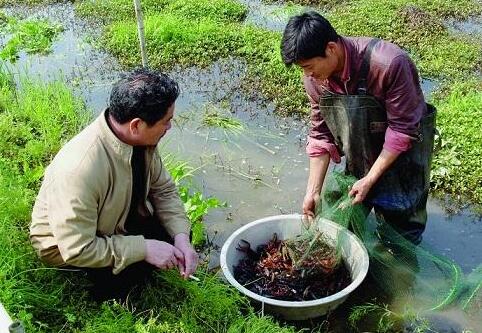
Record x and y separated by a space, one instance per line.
88 186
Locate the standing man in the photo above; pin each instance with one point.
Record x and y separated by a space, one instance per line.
107 203
366 104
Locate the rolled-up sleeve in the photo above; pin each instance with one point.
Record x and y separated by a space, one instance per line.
404 103
164 196
73 205
320 140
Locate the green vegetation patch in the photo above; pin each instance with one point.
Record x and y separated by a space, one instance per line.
172 40
34 121
111 10
456 164
417 27
216 118
31 36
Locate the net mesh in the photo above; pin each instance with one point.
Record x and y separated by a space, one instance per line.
400 268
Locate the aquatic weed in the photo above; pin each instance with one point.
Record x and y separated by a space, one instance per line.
31 36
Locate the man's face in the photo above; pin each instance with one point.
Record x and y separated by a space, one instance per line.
150 135
321 68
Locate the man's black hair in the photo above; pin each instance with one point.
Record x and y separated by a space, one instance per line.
142 93
306 36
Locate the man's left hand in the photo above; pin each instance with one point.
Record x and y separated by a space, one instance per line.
190 260
360 189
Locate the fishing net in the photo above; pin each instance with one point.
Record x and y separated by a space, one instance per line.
400 268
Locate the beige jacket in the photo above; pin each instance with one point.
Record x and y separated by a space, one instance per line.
79 215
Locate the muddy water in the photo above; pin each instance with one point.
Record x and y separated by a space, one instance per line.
260 171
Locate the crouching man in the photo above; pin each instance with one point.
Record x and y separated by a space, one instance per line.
107 203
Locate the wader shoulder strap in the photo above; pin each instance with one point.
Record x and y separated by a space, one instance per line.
365 67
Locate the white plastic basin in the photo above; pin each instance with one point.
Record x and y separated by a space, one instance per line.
261 231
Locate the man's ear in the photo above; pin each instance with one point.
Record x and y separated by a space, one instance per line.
135 125
331 48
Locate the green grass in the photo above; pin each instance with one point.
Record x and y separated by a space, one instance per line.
33 123
35 120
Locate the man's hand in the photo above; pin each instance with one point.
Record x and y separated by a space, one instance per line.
309 204
190 258
360 189
318 167
161 254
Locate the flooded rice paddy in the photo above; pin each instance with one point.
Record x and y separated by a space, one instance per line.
260 170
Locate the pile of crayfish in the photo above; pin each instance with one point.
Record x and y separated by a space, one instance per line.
292 270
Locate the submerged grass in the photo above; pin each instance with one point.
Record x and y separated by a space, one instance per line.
217 119
382 320
37 119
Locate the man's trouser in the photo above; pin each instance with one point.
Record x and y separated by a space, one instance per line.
107 285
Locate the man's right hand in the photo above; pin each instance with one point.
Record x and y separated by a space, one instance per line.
309 204
161 254
318 167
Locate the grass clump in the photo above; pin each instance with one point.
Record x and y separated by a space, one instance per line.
31 36
173 40
218 10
